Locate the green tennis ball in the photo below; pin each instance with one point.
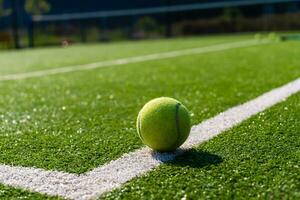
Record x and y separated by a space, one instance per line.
163 124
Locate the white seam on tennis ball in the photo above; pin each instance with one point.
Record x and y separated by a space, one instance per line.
123 61
115 173
140 128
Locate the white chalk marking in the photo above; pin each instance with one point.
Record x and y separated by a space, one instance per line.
115 173
123 61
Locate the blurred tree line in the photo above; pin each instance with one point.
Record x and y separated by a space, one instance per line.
35 7
4 12
263 17
32 7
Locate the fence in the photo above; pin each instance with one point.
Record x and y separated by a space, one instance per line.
154 22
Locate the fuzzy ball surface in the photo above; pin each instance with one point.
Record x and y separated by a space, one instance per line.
163 124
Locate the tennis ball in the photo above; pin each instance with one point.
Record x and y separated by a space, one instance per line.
163 124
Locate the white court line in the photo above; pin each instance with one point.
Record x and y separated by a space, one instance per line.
123 61
115 173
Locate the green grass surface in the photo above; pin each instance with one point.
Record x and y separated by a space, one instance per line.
258 159
77 121
68 122
10 193
44 58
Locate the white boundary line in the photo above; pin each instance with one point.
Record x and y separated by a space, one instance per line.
123 61
115 173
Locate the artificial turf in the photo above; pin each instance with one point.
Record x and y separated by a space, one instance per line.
258 159
45 58
10 193
78 121
68 122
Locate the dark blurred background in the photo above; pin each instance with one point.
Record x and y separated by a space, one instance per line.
30 23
